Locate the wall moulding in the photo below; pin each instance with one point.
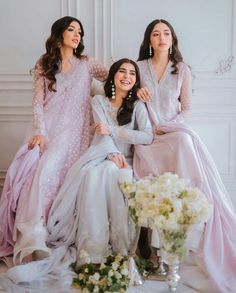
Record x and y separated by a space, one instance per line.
16 81
225 70
2 177
15 113
66 7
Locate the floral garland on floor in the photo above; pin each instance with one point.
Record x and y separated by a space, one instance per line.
110 276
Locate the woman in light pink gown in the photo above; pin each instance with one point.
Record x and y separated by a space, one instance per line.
60 135
177 148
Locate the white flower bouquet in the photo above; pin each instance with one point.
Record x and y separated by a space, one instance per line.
110 276
166 203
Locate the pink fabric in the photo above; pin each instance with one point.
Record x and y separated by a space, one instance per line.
64 118
23 167
181 151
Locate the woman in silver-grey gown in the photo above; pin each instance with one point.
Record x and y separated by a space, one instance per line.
121 120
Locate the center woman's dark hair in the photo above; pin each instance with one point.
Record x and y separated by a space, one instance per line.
144 51
50 60
124 114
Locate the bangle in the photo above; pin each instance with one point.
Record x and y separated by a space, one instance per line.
111 155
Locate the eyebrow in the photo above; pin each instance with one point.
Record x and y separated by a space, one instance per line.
127 69
74 27
166 30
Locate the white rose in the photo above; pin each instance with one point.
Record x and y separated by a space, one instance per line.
125 272
115 266
96 276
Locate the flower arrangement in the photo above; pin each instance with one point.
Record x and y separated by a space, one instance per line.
110 276
169 204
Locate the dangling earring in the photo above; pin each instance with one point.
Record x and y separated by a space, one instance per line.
170 50
75 51
130 94
59 45
113 92
150 50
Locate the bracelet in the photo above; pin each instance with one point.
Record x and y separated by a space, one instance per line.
111 155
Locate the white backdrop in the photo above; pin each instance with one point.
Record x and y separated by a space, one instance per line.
114 29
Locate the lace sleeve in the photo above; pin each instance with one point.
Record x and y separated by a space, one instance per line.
97 70
185 96
143 135
38 101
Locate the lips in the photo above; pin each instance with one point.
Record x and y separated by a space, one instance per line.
75 41
125 82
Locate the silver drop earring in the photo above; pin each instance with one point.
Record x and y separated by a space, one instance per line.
150 50
170 50
113 92
130 94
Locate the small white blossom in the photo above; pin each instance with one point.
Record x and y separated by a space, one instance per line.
96 276
125 272
115 266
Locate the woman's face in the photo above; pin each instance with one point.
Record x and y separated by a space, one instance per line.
161 38
72 35
125 78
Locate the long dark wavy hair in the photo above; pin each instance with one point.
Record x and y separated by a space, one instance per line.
50 60
124 114
144 53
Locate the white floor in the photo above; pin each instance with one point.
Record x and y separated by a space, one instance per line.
189 275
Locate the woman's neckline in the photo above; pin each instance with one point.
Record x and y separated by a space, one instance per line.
72 61
153 72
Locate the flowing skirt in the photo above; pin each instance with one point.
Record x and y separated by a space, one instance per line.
181 151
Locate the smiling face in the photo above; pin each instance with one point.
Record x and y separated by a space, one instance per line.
72 35
161 38
125 78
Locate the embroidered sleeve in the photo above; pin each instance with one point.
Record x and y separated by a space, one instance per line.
97 70
185 96
143 135
38 101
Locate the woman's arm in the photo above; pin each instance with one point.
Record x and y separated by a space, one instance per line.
144 134
38 101
99 116
97 70
38 109
185 96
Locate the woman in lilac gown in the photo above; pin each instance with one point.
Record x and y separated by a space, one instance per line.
177 148
59 136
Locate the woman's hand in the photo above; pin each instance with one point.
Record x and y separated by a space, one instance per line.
119 160
159 132
37 140
144 94
101 129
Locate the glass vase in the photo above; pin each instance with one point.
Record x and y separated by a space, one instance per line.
173 250
134 275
